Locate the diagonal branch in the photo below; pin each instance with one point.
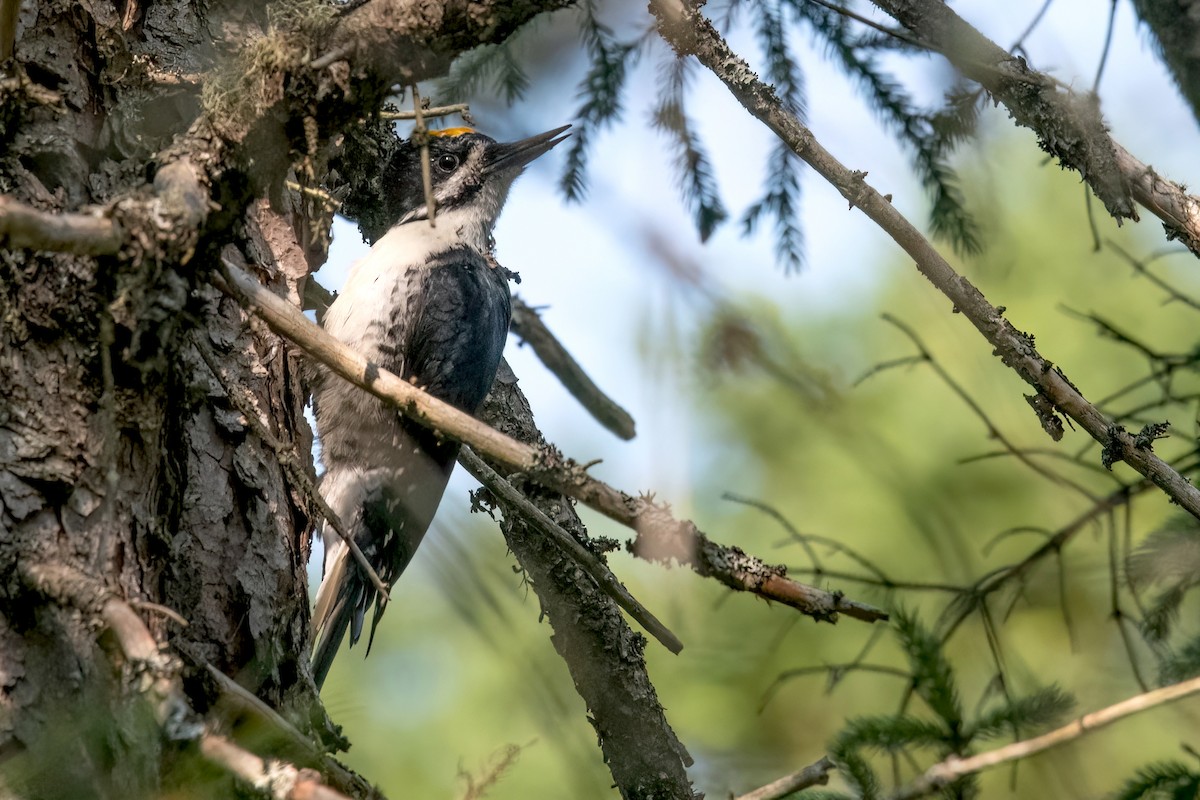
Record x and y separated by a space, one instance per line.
815 774
1068 125
527 324
156 676
946 772
690 33
660 537
605 658
600 573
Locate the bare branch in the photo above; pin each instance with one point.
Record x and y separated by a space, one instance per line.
23 227
1069 125
435 111
278 779
660 537
157 678
527 324
600 573
690 33
813 775
953 768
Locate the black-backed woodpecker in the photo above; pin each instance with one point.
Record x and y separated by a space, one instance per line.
429 304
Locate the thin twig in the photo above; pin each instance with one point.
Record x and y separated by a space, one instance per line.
1141 268
813 775
1116 613
1054 545
1108 37
158 608
993 430
436 111
527 324
331 202
955 767
899 35
1033 23
660 537
835 673
477 789
585 558
420 137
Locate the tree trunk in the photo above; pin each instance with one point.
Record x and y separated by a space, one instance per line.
156 483
122 455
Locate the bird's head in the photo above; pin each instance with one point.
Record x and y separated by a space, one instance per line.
470 175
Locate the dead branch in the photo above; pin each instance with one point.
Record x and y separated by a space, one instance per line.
1069 125
592 565
692 34
527 324
22 227
816 774
955 767
660 537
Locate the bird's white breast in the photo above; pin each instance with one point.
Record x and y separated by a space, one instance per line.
391 273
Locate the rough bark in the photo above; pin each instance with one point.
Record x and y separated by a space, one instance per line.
151 435
604 656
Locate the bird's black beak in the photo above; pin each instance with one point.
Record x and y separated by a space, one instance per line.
513 156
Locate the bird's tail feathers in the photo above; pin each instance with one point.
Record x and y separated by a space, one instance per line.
332 611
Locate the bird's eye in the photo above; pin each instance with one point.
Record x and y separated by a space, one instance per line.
447 162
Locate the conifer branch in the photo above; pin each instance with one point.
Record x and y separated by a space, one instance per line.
659 535
691 33
1068 125
954 768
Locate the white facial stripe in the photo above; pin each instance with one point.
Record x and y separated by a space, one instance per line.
471 169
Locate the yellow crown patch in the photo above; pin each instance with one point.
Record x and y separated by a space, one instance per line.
452 132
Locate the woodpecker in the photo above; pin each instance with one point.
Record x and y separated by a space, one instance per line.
429 303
